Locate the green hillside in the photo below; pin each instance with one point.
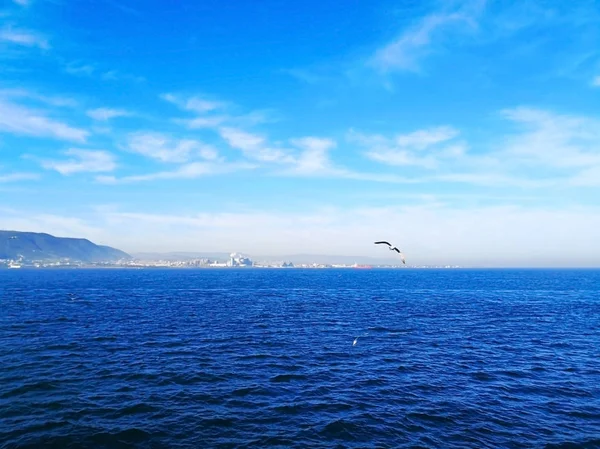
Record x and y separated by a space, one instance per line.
38 246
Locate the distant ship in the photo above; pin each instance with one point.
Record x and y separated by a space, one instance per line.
14 265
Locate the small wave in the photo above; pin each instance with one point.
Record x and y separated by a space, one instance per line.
124 437
593 443
483 376
250 391
422 416
42 386
288 377
341 429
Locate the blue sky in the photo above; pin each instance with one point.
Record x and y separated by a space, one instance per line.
466 132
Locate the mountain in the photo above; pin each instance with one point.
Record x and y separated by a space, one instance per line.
38 246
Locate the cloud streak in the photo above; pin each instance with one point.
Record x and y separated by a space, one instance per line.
105 114
58 101
82 161
406 51
18 176
18 119
164 148
426 148
24 38
191 170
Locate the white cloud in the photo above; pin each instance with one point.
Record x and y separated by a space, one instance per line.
82 161
547 149
115 75
195 104
191 170
492 179
214 114
315 155
208 152
253 146
167 149
76 68
21 120
552 140
22 2
15 177
199 105
23 38
405 52
50 100
104 114
203 122
421 148
303 75
80 69
588 177
427 137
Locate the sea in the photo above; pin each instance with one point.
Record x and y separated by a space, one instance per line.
253 358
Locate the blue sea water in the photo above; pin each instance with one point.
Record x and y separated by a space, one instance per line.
264 358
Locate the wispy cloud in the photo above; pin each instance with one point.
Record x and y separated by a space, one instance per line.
168 149
115 75
203 122
15 177
23 38
22 2
304 75
124 8
194 103
47 99
191 170
314 157
547 149
105 114
424 148
596 81
91 161
82 69
79 69
405 52
314 160
553 140
18 119
211 113
253 146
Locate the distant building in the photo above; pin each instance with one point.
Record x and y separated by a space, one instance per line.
238 260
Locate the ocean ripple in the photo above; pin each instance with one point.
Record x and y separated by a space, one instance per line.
264 358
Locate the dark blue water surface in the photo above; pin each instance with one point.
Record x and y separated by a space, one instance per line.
264 358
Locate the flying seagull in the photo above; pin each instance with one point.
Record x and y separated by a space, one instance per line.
393 248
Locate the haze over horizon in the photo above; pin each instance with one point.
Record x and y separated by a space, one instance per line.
462 132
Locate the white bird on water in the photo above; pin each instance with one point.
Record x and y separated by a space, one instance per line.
356 339
393 248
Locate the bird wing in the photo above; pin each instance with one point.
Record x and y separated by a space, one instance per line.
396 249
403 259
387 243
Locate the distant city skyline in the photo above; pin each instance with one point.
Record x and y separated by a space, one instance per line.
465 132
